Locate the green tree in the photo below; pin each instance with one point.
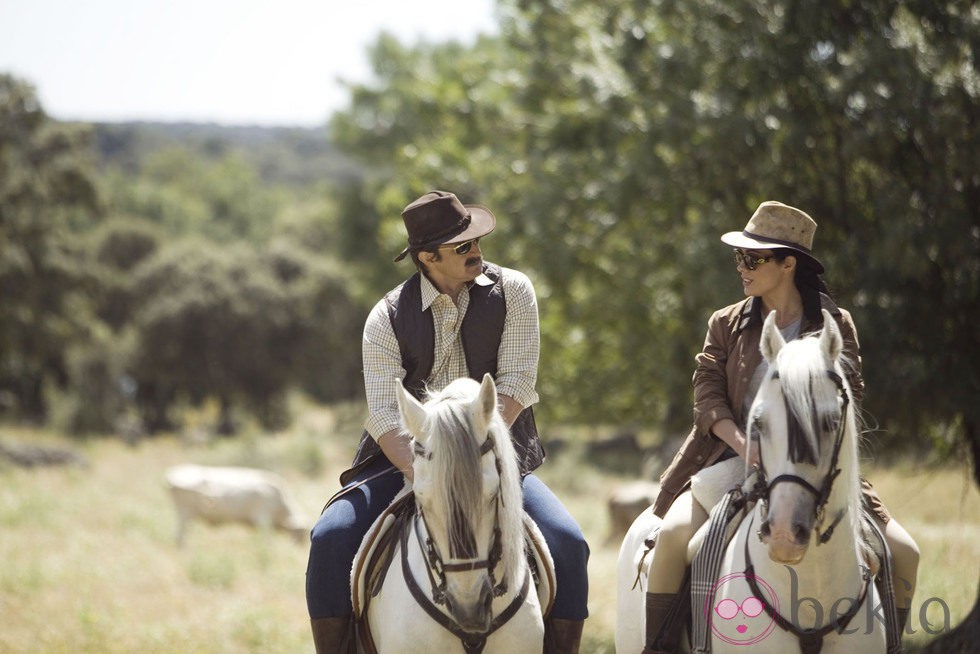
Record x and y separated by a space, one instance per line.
117 247
325 321
430 122
47 197
222 199
240 327
618 143
207 323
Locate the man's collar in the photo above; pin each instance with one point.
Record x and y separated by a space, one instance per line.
483 280
430 292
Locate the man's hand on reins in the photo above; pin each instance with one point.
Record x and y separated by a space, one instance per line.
397 446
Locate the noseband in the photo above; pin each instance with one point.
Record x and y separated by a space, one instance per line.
763 488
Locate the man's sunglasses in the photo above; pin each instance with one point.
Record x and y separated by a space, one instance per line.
750 261
465 246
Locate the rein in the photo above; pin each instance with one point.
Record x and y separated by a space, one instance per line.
472 643
437 568
811 640
763 489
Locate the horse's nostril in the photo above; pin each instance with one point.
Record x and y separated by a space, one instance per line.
801 533
765 531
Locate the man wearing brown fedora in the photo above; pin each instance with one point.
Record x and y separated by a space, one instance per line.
456 316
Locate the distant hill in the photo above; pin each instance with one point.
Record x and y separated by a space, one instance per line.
282 155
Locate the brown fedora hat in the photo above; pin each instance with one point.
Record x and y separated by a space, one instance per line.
777 225
439 217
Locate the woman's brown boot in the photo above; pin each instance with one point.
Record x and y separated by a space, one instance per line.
660 606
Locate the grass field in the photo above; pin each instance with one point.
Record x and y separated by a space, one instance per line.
88 562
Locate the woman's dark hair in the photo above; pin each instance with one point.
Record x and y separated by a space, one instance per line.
808 282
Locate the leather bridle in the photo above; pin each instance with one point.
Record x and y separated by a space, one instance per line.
810 640
763 488
436 567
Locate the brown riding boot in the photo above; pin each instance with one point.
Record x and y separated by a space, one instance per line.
331 635
562 636
659 608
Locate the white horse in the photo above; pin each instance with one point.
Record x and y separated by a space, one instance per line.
794 578
459 579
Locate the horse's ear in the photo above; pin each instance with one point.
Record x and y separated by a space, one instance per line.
831 342
488 397
411 410
772 341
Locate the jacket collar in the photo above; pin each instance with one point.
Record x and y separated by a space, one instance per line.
751 314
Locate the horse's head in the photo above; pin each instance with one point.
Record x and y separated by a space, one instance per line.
800 422
467 489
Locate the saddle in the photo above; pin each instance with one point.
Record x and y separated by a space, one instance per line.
378 549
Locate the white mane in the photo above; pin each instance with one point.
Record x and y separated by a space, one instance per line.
813 398
452 436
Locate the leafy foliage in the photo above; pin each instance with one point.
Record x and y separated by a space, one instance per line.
47 197
175 275
617 143
614 143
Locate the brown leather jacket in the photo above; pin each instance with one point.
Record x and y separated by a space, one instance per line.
724 370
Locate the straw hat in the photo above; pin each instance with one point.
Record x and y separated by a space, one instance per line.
777 225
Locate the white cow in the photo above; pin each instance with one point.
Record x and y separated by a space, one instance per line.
219 494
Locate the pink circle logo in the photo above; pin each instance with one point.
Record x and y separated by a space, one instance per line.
738 616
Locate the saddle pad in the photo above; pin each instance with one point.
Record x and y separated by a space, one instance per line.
377 547
542 566
723 523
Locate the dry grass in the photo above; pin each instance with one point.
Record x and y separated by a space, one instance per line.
89 563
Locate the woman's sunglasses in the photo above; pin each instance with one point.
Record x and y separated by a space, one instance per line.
465 246
750 261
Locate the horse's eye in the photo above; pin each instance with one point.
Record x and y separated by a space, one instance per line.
830 422
755 428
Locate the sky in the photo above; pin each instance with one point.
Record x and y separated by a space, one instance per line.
235 62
